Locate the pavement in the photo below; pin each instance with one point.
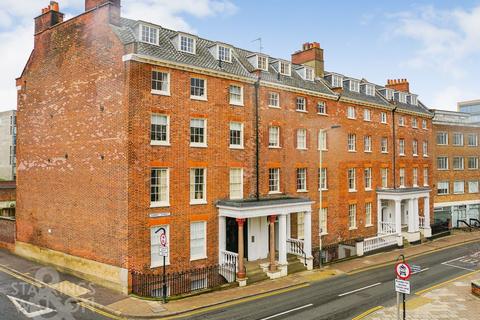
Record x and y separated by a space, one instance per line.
450 301
117 306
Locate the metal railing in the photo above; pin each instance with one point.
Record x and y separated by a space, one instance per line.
178 283
378 242
387 227
295 246
229 260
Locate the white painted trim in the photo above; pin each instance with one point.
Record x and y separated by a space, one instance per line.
455 203
263 211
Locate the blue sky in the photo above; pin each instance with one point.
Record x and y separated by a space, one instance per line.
434 44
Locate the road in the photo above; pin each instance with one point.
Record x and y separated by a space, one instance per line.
22 300
346 296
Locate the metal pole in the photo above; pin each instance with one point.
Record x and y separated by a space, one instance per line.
164 283
404 309
398 306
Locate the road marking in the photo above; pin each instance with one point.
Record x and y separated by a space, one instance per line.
453 260
446 282
19 277
22 304
458 267
288 311
367 287
420 271
366 313
101 312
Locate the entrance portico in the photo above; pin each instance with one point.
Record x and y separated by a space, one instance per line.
398 212
268 230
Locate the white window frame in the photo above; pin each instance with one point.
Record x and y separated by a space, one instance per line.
276 177
370 90
444 159
401 147
323 221
425 177
383 118
203 97
274 97
459 190
321 105
401 173
276 143
414 123
205 130
351 112
415 147
301 179
202 255
232 183
285 68
337 81
473 182
354 86
352 142
462 162
301 104
384 177
224 57
301 139
202 200
146 37
367 144
309 74
352 179
367 175
475 161
322 179
153 118
475 144
166 201
443 136
425 149
160 92
352 216
236 146
443 185
367 115
232 101
455 135
322 140
155 247
262 63
384 145
186 38
368 214
415 177
401 121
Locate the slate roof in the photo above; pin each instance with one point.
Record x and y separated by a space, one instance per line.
240 66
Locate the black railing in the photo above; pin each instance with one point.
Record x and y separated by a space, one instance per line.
180 283
440 227
475 223
459 222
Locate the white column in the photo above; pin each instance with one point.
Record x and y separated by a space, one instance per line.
282 239
379 215
411 216
289 228
307 246
416 217
222 226
398 216
426 212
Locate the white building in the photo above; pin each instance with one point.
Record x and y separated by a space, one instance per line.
8 141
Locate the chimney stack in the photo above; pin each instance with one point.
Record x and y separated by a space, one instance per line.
311 55
50 17
398 85
92 4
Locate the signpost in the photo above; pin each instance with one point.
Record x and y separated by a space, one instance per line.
164 253
402 285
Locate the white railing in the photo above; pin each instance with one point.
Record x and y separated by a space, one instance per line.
295 246
387 227
421 222
378 242
229 262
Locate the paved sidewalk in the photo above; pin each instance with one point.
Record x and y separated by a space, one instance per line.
451 301
131 307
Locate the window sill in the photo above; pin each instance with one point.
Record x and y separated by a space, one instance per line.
198 98
384 152
302 111
273 107
237 104
368 225
160 93
367 120
368 189
302 149
322 114
383 122
198 258
302 191
273 147
366 151
274 192
237 147
160 205
323 233
415 155
352 151
402 155
160 143
352 190
198 202
425 155
352 228
324 189
351 118
193 145
159 265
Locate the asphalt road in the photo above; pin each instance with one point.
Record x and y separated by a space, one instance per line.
21 300
346 296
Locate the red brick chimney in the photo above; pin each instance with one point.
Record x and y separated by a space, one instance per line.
50 16
92 4
312 56
398 85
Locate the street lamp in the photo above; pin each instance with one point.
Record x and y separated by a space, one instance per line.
320 155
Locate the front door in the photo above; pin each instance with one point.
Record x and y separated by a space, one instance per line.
231 241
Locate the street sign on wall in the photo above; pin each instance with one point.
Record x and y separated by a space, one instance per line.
402 286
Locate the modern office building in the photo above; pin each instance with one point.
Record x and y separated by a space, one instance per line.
471 107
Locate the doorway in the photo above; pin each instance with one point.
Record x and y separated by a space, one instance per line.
231 234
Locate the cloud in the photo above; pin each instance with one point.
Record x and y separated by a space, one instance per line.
16 28
448 97
446 38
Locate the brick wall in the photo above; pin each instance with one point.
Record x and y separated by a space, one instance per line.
72 142
7 233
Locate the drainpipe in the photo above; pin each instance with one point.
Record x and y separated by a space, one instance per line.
257 142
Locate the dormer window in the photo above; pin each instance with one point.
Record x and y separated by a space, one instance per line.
262 63
370 90
149 34
412 99
309 74
187 44
389 94
354 86
337 81
401 97
285 68
224 54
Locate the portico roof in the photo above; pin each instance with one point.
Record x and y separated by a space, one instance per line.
251 208
403 193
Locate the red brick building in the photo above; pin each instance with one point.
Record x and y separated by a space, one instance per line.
128 130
